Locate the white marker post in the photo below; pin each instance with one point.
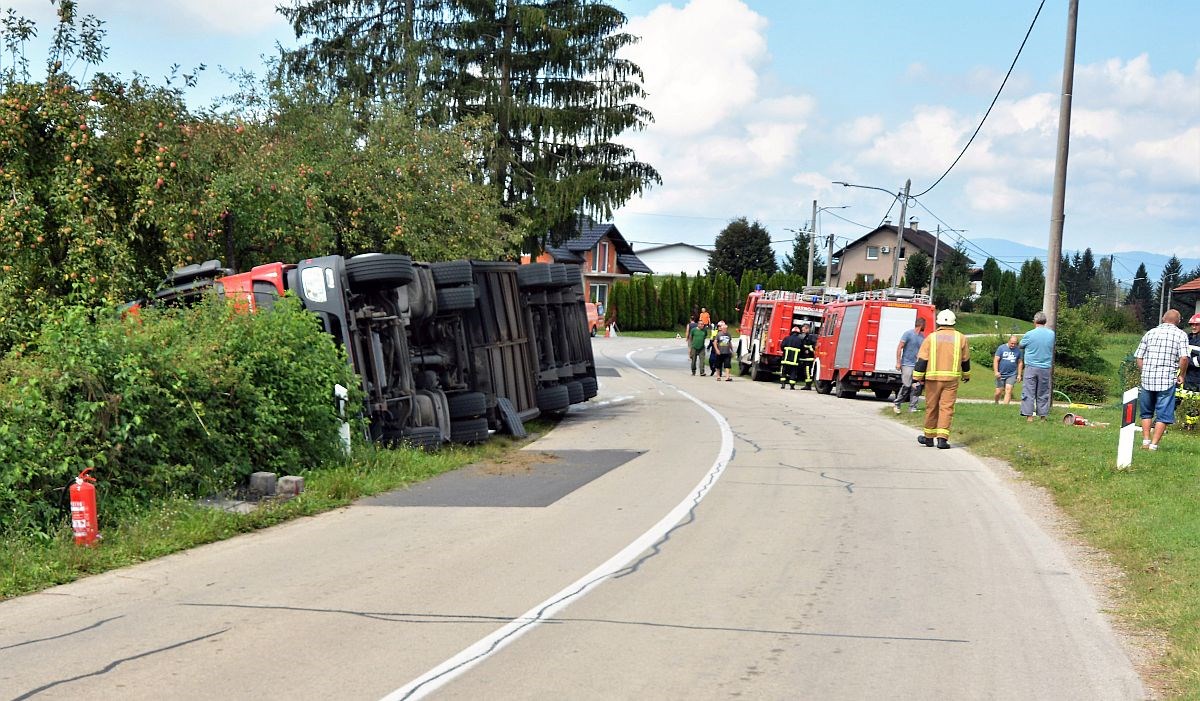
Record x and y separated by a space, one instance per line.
1129 428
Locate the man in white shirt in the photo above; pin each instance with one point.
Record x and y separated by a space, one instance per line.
1162 356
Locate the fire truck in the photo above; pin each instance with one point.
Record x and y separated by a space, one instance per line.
768 318
856 347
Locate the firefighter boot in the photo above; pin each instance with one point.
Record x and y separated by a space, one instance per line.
943 444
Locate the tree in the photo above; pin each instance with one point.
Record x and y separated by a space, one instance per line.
991 278
1141 298
796 262
547 73
1006 298
917 271
1169 279
742 246
1104 286
954 281
1031 288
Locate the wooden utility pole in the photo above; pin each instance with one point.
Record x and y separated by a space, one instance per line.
1054 252
812 235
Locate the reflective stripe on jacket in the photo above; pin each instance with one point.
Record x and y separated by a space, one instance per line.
945 355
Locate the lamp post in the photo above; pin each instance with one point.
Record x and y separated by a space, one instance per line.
813 237
903 197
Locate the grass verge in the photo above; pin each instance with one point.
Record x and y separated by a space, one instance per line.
975 323
29 564
1147 518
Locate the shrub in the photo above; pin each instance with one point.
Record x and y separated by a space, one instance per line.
166 402
1080 386
1077 340
1187 411
983 349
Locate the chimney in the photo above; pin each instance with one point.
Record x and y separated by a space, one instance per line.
887 221
913 223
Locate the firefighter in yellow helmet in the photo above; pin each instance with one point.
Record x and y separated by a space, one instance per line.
944 359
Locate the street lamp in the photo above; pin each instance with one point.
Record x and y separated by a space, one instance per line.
903 197
813 237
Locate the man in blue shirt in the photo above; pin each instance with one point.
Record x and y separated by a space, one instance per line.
906 358
1007 364
1038 345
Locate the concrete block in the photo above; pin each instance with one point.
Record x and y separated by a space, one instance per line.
290 486
263 483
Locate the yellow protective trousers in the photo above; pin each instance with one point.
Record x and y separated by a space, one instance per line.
940 396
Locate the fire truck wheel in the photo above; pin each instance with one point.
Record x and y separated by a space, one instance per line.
466 405
757 373
469 431
882 392
845 390
453 299
372 271
824 386
533 275
425 438
553 399
590 387
575 391
451 273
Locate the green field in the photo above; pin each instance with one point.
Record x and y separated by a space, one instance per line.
971 324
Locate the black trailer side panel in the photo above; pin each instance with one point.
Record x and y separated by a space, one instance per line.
498 328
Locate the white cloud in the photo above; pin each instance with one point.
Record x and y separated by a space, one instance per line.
1175 158
223 17
860 131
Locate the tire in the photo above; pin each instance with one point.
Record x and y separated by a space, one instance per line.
882 392
757 374
510 419
575 392
427 438
824 386
533 275
469 431
373 271
451 273
466 405
453 299
552 399
590 387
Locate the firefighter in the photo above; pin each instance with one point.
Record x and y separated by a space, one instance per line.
944 359
1191 380
793 349
808 354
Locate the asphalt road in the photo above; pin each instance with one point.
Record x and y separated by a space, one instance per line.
674 538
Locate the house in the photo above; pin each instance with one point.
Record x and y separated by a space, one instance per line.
1187 295
873 255
676 258
602 253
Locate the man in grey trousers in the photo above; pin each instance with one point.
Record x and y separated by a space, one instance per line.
1038 345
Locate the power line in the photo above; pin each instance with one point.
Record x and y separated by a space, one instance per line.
994 100
964 240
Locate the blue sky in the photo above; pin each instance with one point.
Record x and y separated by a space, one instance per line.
760 104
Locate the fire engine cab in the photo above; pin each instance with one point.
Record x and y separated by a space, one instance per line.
856 347
768 318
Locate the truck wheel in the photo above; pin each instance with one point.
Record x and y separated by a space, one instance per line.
882 392
452 299
590 387
373 271
533 275
824 386
425 438
466 405
469 431
757 374
451 273
510 419
552 399
575 391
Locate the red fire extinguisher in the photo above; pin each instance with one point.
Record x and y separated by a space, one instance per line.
83 509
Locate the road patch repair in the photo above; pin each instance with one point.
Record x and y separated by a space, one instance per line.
526 478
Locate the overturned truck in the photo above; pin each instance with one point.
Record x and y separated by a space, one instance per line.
447 352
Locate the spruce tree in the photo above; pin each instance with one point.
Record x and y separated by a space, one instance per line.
1141 298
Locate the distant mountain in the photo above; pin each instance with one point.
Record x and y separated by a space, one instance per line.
1011 255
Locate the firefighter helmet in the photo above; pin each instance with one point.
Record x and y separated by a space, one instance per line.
1195 319
945 318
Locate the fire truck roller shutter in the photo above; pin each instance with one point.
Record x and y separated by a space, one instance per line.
893 322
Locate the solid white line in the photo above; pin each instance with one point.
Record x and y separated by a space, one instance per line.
485 647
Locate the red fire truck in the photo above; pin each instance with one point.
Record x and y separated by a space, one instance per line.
768 318
856 347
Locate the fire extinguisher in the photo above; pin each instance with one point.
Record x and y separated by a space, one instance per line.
84 521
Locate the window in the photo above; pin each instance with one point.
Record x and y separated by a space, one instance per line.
868 278
598 293
596 259
603 247
872 252
902 252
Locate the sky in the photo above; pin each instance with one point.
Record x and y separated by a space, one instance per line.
760 105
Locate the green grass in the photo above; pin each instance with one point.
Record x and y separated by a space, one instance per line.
1147 518
972 323
31 563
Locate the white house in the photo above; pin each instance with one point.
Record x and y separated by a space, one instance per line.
675 258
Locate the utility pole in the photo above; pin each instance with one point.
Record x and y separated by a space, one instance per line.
812 237
1054 254
933 271
829 262
900 234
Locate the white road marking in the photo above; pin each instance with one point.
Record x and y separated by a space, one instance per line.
438 676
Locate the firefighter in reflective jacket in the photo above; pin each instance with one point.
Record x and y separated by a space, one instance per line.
944 359
808 354
793 350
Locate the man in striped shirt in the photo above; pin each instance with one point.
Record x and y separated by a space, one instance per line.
944 359
1162 356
